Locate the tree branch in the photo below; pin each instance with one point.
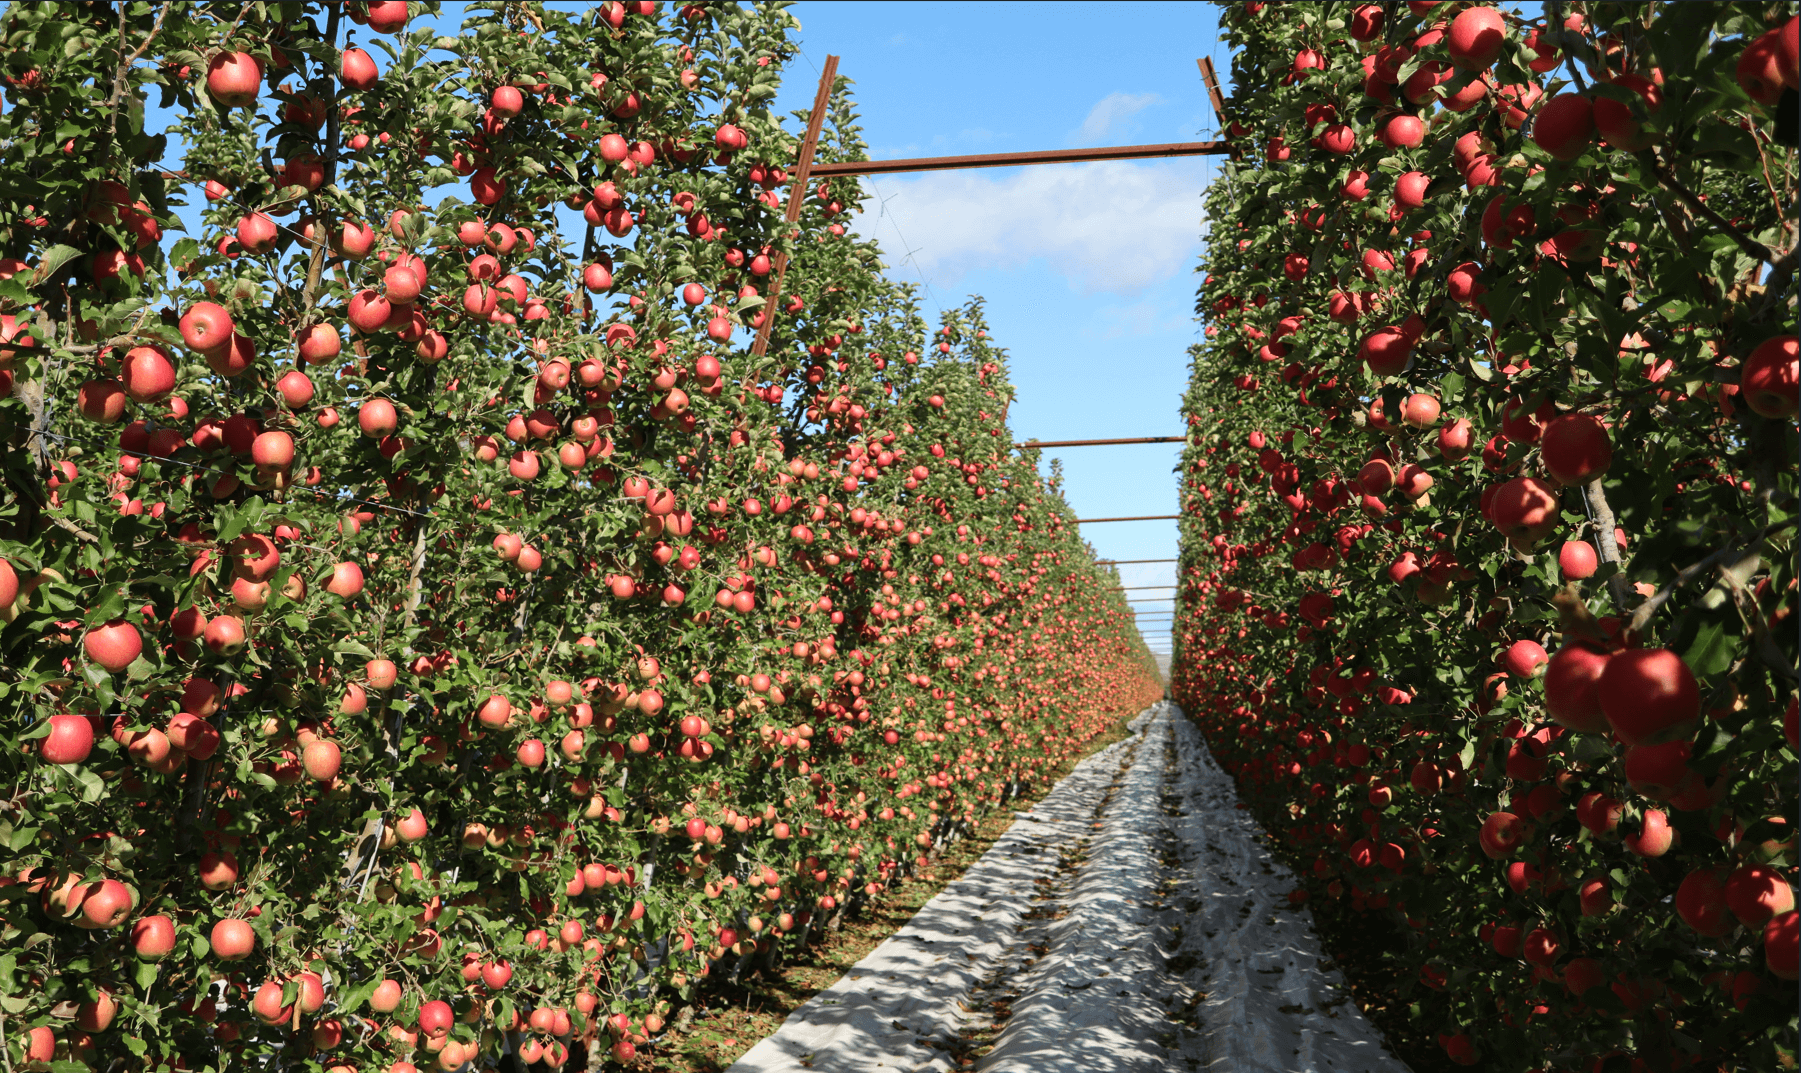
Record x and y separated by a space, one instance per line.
80 533
1605 542
1642 616
1751 247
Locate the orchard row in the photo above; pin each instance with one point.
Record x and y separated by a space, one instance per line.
429 627
1488 574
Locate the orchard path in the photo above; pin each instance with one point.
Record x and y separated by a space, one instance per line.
1131 921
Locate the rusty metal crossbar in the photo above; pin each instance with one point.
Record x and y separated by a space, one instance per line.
1135 518
1099 443
1008 160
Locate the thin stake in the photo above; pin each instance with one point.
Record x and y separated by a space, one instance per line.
797 196
1219 103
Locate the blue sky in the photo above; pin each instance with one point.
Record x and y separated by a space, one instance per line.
1087 268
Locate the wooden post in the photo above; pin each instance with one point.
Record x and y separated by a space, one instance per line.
797 196
1219 103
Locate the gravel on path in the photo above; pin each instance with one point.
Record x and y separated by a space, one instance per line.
1131 921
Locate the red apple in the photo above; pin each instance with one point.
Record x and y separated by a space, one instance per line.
357 69
1782 942
114 645
1649 696
1476 37
1770 379
1654 837
206 326
1502 834
1524 659
1755 893
1577 560
234 79
346 580
70 741
1576 448
153 937
1565 126
147 374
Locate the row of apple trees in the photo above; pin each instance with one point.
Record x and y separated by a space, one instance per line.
1488 570
429 628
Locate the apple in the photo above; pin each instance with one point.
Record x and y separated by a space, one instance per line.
377 418
113 645
1476 37
70 741
147 374
1410 189
1576 448
1648 696
1782 939
193 735
357 69
225 635
1525 659
1524 510
1402 132
1577 560
1583 975
257 233
386 996
267 1004
97 1015
1387 351
234 79
346 580
321 759
218 870
1760 68
436 1018
1755 893
1770 379
206 326
1659 771
1456 439
1565 126
1502 834
106 904
1654 837
496 975
1595 896
153 937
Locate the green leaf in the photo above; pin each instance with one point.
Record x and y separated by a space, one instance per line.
51 260
146 974
93 787
1712 649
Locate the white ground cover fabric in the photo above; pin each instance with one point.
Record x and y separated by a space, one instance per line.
1131 921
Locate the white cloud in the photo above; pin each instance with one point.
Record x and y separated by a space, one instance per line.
1113 226
1113 110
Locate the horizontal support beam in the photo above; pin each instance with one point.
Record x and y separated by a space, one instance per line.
1116 562
1009 160
1098 443
1135 588
1137 518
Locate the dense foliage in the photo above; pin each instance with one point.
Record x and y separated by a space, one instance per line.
1488 569
429 629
